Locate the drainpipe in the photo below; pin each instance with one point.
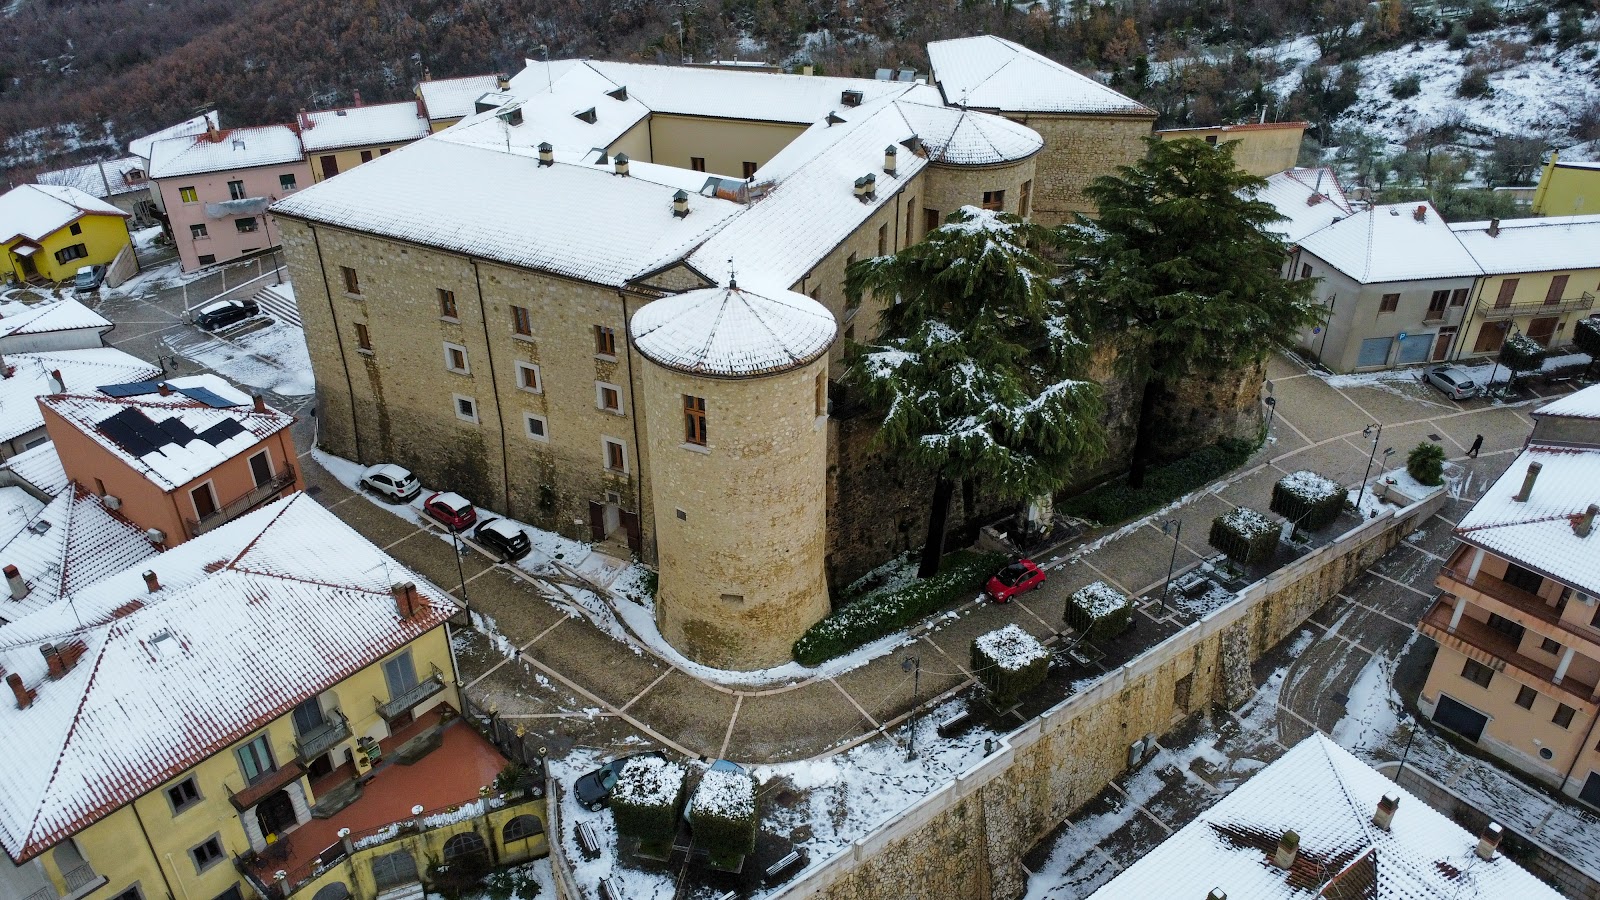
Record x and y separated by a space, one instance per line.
1587 737
494 385
338 341
633 406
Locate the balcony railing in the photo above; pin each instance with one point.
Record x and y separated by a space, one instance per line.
1477 641
1526 608
80 879
238 506
322 738
1534 308
401 703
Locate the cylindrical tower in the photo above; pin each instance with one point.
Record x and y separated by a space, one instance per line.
735 395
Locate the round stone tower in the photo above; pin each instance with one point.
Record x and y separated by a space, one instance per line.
735 395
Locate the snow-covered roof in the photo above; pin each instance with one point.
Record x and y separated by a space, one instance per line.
550 111
1538 533
1328 797
62 315
30 379
1584 404
33 211
452 98
1390 243
578 221
41 467
733 331
386 123
248 621
65 546
140 146
734 94
988 72
100 179
171 440
1533 244
234 148
1308 199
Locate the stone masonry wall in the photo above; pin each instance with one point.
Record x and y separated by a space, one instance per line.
1078 149
967 840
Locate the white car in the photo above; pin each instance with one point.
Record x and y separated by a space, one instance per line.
1455 382
389 480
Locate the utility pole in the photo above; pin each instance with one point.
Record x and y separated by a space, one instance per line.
913 664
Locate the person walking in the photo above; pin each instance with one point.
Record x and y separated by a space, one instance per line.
1477 444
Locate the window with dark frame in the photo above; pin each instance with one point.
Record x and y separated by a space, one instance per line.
235 190
255 759
455 358
610 398
246 225
188 194
68 254
366 156
363 340
536 426
883 239
76 228
1525 697
1458 297
1506 627
467 408
207 259
183 795
521 322
1389 303
197 232
286 181
605 341
1549 646
1477 673
352 283
851 303
207 854
1305 270
1437 303
994 200
697 163
1025 199
749 170
694 420
1563 716
930 220
528 377
447 304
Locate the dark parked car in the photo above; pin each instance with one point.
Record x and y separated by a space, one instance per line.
505 536
451 510
391 481
89 279
225 312
593 791
1015 578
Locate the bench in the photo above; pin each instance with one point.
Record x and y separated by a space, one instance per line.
728 895
588 841
955 723
775 871
607 892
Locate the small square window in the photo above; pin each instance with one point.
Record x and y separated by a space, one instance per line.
1563 716
363 339
188 195
207 259
697 163
683 516
207 854
76 228
455 359
528 378
616 455
749 170
1477 673
197 232
466 408
183 795
246 225
447 304
605 341
1389 303
994 200
352 283
536 426
1549 646
521 322
286 182
366 156
608 397
1305 270
1525 697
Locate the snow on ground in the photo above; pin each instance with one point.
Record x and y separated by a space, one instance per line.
272 359
144 238
1479 372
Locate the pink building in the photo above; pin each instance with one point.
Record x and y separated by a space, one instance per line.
216 187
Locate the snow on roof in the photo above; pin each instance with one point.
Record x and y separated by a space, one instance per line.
1538 533
966 138
727 793
993 73
731 331
452 98
170 440
69 544
1327 797
1533 244
80 370
386 123
550 112
1308 199
1584 404
62 315
263 612
578 221
734 94
40 467
235 148
100 179
140 146
36 210
1011 648
1389 243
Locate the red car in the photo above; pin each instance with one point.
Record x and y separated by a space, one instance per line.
451 510
1015 578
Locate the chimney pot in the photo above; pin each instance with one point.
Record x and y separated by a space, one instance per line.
24 696
502 82
1217 894
406 600
52 660
1288 850
1494 228
19 587
56 381
1385 813
1585 523
547 155
621 162
890 160
680 204
1527 482
163 390
1421 213
151 583
1489 841
260 403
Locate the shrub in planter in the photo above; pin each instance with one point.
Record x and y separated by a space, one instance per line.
1586 337
1521 353
646 801
1309 500
1099 611
1246 536
723 814
1010 662
1425 463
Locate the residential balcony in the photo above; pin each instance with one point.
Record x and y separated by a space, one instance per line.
1493 313
81 881
403 702
267 784
1509 601
244 503
1476 640
322 738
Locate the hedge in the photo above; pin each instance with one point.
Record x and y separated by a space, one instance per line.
882 612
1309 500
1113 502
1246 536
646 801
1099 611
723 815
1010 662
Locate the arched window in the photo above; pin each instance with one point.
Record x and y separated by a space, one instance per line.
333 891
522 828
464 844
393 870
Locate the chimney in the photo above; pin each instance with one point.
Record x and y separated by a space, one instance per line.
1420 213
547 155
621 162
1217 894
151 583
260 402
1288 850
866 187
1385 813
680 204
357 95
53 661
5 370
1494 228
305 119
889 160
502 82
1583 526
427 74
57 384
213 134
1527 483
24 696
1489 841
163 390
19 587
406 600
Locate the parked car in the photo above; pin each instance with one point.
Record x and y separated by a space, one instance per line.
89 279
225 312
1021 575
391 481
1454 381
505 536
451 510
593 790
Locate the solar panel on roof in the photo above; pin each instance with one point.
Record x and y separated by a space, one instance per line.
176 431
208 397
131 389
123 433
221 431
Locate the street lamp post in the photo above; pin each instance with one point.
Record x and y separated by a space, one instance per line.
461 575
1173 527
913 664
1272 407
1376 436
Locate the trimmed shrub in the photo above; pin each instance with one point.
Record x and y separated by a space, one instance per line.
723 814
1099 611
1113 502
1407 87
1246 536
1425 463
1521 353
883 612
1010 662
1309 500
646 801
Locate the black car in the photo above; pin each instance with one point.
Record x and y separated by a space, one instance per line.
89 279
593 791
505 536
226 312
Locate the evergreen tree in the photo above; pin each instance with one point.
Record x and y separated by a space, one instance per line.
976 363
1180 253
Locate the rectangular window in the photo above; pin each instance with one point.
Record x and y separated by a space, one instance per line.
1025 199
521 322
466 408
694 420
447 304
1389 303
384 151
68 254
1549 646
616 456
455 359
528 378
183 795
1508 290
1518 577
308 716
330 166
605 341
883 239
1437 303
255 759
207 854
246 225
1458 297
366 156
749 170
1563 716
608 397
536 426
1525 697
1305 270
1558 286
697 163
931 220
261 468
197 232
399 674
286 182
235 190
911 210
352 283
188 195
1477 673
994 200
76 228
205 502
207 259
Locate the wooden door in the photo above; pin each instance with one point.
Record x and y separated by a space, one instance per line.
1508 290
1441 346
1558 286
597 521
1490 336
205 503
630 524
1543 329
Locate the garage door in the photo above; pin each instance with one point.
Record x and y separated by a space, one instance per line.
1375 351
1414 349
1460 718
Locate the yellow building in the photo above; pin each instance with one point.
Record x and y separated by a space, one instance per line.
1540 276
191 727
1264 149
1567 188
49 232
338 140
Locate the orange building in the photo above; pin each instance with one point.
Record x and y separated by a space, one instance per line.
179 457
